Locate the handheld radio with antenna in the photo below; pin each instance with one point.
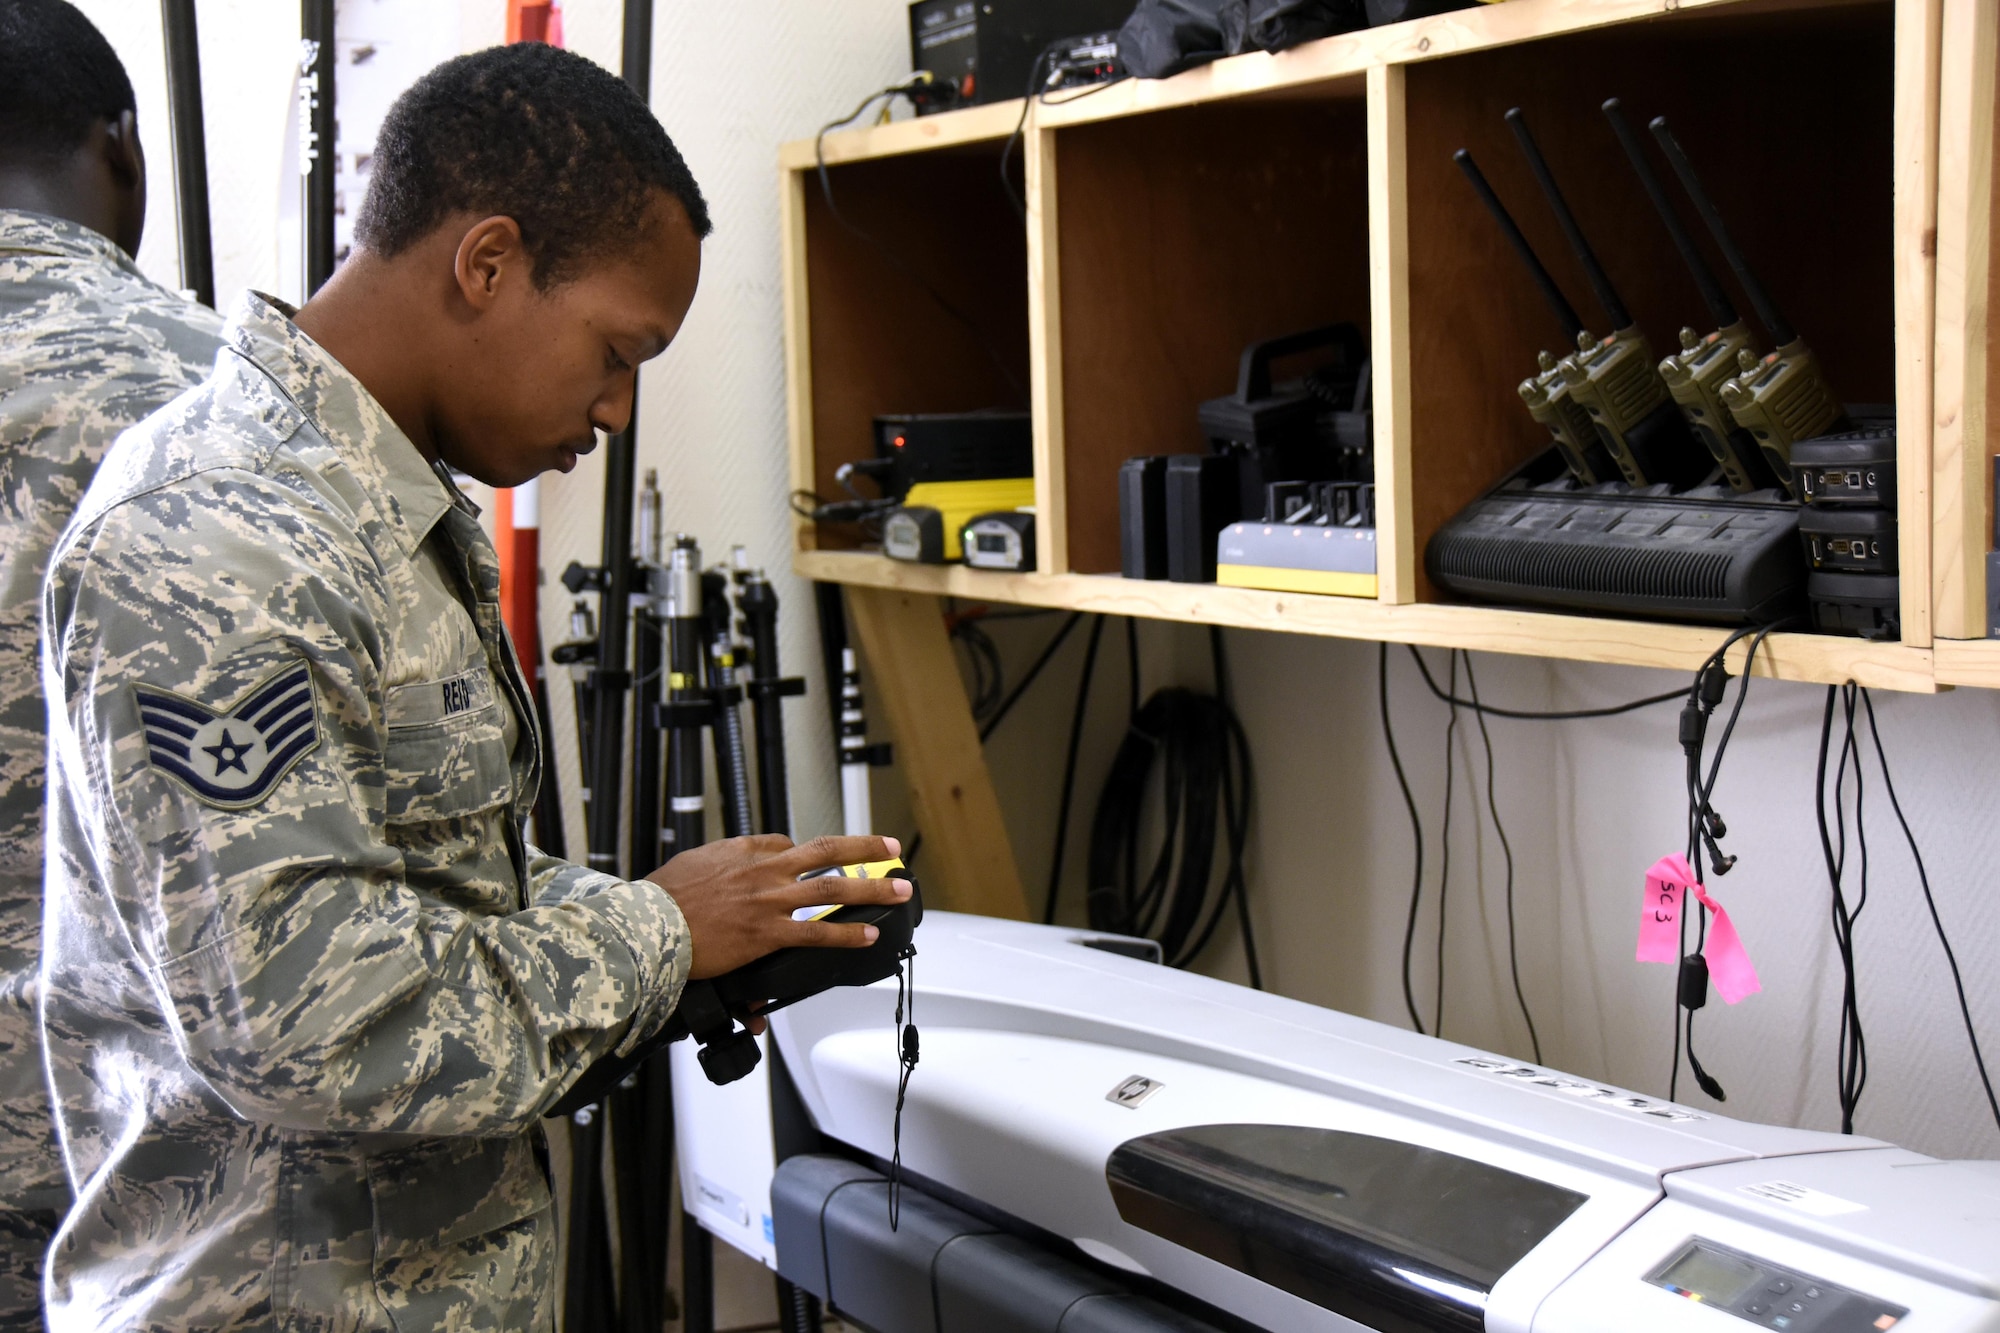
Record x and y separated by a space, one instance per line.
1547 392
1782 397
1616 377
1695 374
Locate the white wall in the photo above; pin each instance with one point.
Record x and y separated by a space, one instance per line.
1588 805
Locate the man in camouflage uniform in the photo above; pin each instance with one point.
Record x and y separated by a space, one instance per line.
90 347
307 990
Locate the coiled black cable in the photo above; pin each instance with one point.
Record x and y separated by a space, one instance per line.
1205 781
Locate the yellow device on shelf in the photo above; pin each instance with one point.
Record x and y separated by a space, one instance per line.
927 526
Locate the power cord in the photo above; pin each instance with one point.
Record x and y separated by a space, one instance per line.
1937 922
907 1051
1206 778
1069 770
1038 91
1851 1050
1006 705
922 79
1481 710
1444 839
1507 852
1416 827
1704 830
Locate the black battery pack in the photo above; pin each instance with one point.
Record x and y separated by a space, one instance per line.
1202 500
1856 467
1868 605
1142 517
1856 541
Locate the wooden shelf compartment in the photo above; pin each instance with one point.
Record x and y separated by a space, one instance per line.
1183 237
1816 658
1758 89
867 283
1786 115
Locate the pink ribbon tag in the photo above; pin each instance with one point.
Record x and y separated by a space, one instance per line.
1729 966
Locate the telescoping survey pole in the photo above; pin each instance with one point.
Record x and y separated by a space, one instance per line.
589 1301
317 162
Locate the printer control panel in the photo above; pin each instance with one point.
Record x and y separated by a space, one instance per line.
1769 1295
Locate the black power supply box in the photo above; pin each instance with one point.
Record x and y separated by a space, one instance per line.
919 447
984 49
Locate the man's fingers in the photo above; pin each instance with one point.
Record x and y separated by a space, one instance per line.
833 889
828 935
826 853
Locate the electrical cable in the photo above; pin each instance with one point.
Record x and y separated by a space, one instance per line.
1069 770
1571 715
895 260
1507 852
988 679
1205 780
1937 922
1444 845
1236 813
1416 831
1705 826
907 1052
1851 1052
992 723
1034 93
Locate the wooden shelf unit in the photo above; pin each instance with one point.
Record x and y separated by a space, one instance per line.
1171 222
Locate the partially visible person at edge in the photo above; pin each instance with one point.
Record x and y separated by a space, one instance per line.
307 991
88 347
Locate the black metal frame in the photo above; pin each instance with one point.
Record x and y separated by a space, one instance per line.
184 114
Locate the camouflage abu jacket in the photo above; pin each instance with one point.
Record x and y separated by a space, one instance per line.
89 347
306 990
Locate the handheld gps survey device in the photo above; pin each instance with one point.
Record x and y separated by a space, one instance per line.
711 1010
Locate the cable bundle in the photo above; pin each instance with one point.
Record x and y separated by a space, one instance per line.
1205 783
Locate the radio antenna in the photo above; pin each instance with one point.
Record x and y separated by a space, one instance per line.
1600 281
1720 309
1565 313
1782 333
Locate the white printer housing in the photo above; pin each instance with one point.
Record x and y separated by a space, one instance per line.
1296 1168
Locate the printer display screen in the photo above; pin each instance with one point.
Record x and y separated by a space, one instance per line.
1711 1275
1395 1235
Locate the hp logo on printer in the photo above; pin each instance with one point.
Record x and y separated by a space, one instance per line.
1132 1091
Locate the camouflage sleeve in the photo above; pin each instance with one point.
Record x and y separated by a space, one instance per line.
554 882
309 983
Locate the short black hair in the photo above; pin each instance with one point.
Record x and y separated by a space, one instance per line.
59 79
529 132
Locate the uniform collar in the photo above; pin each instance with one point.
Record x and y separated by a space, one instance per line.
23 232
414 495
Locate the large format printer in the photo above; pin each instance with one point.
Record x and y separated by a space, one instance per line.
1093 1143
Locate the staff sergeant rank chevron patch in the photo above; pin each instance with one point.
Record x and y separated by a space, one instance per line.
233 758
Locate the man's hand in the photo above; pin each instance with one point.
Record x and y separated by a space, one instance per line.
738 895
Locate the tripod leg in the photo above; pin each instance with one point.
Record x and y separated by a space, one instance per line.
587 1302
638 1264
697 1278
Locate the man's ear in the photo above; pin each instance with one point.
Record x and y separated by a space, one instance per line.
122 152
490 257
125 160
